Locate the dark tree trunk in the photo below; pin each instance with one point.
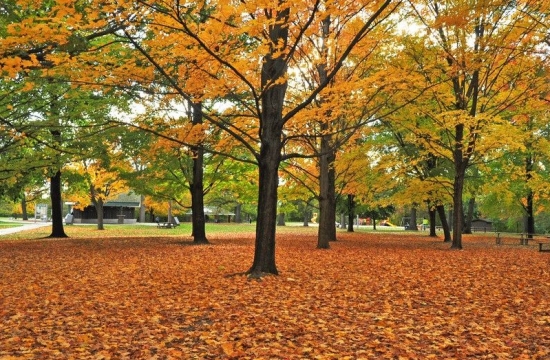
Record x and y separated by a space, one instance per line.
264 250
460 165
327 198
351 214
99 209
196 186
444 224
57 207
431 214
327 176
24 213
271 130
529 206
373 222
529 216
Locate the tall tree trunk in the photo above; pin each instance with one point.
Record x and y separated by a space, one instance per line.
264 250
274 69
57 206
24 212
458 188
529 212
327 198
529 215
431 214
351 213
444 224
197 186
327 176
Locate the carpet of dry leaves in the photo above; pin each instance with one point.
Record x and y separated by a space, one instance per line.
370 296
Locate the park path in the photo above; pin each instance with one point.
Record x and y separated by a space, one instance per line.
25 225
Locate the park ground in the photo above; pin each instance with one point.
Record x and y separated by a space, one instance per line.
147 293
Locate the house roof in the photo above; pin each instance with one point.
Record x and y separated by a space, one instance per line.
125 200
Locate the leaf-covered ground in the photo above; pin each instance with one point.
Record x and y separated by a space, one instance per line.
371 296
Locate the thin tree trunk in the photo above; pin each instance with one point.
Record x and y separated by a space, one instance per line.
444 224
57 207
197 186
351 214
432 214
529 216
24 212
327 199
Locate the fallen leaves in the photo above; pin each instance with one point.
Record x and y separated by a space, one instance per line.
370 296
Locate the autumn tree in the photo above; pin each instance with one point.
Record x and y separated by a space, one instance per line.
476 54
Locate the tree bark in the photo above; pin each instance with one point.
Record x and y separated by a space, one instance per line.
274 69
351 214
327 175
24 213
431 214
197 184
529 206
57 206
444 224
327 198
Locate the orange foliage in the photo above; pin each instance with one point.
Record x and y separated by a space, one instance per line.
371 296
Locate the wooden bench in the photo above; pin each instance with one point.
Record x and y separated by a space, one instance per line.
542 243
168 225
524 239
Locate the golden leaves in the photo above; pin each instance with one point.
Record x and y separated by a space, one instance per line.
371 296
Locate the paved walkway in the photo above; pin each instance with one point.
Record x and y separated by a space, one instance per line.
25 225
